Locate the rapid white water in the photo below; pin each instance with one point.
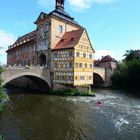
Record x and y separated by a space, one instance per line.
122 111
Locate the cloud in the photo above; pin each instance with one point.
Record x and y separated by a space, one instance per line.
100 53
6 39
85 4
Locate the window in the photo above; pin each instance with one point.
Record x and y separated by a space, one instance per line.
81 46
70 54
85 65
47 27
80 65
76 78
89 77
90 56
82 77
55 54
70 64
55 65
60 29
84 55
77 54
76 65
70 78
91 66
57 77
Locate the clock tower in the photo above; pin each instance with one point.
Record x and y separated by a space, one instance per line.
60 5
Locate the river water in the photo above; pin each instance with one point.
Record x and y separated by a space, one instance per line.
35 116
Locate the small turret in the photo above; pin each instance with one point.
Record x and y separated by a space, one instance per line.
60 5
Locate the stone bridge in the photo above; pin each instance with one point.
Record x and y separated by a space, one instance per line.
102 76
11 73
37 72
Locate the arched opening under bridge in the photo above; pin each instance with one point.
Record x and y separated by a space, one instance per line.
29 82
97 80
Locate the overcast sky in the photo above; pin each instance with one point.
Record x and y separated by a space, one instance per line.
113 25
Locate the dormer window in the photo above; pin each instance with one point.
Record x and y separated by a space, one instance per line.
60 28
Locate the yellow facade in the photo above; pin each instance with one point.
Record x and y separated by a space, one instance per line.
83 62
74 66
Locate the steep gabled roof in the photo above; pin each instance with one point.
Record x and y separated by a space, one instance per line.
69 39
89 41
39 17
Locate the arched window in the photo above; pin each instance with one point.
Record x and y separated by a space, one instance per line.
60 28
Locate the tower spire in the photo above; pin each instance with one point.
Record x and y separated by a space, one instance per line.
59 5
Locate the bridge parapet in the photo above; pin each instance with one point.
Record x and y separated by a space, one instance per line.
25 67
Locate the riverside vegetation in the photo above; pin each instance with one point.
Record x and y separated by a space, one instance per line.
1 91
127 74
2 96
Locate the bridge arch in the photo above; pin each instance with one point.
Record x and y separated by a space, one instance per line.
38 77
97 80
99 76
18 75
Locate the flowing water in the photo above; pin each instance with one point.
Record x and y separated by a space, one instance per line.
31 116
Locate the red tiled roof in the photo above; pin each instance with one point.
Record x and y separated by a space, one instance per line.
107 58
69 39
30 35
24 39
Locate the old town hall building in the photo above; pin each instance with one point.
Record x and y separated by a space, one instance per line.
60 44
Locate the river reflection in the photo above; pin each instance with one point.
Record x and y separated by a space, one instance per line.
42 117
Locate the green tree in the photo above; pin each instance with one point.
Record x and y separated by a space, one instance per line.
127 74
132 54
1 70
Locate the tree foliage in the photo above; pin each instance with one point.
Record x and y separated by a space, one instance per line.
1 70
127 74
132 54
